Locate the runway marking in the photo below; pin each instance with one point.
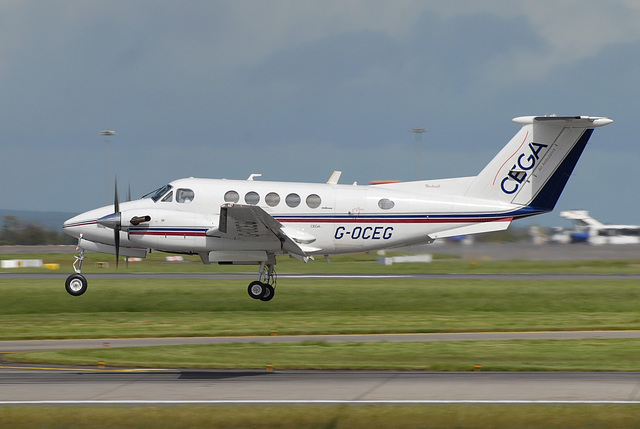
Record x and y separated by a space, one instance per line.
321 402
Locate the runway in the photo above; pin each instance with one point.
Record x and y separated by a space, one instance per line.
314 386
311 387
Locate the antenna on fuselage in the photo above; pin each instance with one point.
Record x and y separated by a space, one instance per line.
333 180
254 175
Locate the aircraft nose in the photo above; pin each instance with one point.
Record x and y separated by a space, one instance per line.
67 223
78 224
86 223
72 226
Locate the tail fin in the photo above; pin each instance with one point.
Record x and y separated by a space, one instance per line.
533 168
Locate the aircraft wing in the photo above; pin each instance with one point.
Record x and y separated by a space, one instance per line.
252 223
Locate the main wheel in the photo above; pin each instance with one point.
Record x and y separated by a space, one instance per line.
256 289
268 294
76 284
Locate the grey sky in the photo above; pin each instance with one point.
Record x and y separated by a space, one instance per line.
297 89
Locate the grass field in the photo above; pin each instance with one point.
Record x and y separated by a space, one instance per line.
515 355
159 308
331 416
32 309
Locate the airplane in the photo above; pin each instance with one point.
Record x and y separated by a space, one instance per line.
253 222
594 232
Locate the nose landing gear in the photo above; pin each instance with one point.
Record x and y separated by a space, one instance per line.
76 284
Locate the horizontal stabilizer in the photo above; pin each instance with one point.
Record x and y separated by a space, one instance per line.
474 229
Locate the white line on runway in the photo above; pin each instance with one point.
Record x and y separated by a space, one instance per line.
320 402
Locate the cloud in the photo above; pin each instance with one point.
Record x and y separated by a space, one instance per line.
572 31
245 85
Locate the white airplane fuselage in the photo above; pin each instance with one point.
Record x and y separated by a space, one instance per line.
341 218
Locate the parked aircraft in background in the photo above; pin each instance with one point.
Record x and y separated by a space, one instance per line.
592 231
254 222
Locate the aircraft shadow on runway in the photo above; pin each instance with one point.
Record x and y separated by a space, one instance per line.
217 375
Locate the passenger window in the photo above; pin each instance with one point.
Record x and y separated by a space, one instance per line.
292 200
168 198
252 198
231 197
313 201
272 199
184 196
386 204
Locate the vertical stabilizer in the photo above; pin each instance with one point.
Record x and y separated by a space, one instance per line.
533 168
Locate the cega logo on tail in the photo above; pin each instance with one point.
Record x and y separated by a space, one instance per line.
526 162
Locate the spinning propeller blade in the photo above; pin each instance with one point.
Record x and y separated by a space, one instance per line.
114 221
118 225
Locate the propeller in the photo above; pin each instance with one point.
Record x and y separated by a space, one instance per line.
116 230
114 221
126 258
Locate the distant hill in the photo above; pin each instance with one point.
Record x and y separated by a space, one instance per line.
49 220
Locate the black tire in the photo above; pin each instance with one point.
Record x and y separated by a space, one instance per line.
268 294
256 289
76 284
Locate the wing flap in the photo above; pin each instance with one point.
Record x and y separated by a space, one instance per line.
252 223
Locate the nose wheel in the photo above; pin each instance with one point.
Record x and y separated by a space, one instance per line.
76 284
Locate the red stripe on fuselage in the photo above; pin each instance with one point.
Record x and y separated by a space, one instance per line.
171 233
388 220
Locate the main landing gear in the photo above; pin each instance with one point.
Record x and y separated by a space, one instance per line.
76 284
264 288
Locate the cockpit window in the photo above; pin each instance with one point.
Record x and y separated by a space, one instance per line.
158 193
168 198
184 196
